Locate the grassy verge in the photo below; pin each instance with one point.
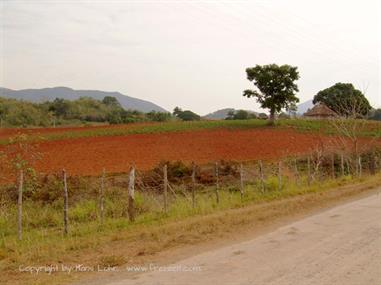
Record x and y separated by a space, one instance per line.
118 242
322 126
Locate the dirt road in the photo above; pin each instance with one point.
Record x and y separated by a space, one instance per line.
338 246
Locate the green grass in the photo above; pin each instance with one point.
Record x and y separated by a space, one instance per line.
46 220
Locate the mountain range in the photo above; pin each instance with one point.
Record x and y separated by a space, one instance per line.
49 94
303 107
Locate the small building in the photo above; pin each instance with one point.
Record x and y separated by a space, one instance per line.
320 111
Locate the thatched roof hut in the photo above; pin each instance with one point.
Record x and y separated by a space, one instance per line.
320 111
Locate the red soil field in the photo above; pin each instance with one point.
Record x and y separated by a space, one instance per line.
87 156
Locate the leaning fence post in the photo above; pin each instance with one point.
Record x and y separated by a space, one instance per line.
131 195
165 187
193 184
280 175
217 183
261 176
241 180
66 201
19 204
101 196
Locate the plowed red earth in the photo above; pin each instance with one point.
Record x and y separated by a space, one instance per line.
87 156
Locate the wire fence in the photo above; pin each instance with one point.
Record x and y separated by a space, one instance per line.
175 184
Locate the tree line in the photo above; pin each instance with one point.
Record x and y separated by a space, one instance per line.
19 113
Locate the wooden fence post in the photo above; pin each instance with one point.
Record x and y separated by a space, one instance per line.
19 203
165 188
193 184
241 180
217 183
66 202
319 171
360 166
296 172
357 165
342 164
309 171
349 168
131 194
372 163
101 196
279 175
333 166
261 176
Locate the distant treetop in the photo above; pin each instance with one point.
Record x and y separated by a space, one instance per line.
344 99
186 115
276 87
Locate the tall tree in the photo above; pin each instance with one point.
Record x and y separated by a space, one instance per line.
276 87
344 99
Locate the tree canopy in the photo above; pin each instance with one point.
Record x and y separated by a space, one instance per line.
240 115
276 87
158 116
186 115
344 99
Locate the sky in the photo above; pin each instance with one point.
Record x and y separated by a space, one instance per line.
191 54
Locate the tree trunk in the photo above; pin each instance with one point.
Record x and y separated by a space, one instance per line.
272 117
